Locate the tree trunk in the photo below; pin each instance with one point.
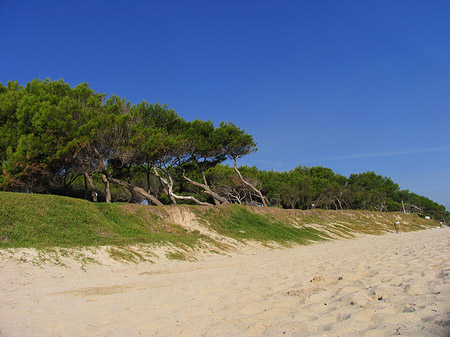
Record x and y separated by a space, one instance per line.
148 179
218 200
107 188
172 195
263 199
129 181
137 189
85 188
65 184
166 188
90 182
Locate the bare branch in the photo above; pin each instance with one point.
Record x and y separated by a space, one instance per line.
217 198
263 199
137 189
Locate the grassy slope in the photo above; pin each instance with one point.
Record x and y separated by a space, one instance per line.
33 220
42 221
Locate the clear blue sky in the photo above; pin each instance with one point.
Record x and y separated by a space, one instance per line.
352 85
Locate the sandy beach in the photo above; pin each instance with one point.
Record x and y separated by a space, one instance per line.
395 284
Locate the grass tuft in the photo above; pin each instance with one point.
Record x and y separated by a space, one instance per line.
176 256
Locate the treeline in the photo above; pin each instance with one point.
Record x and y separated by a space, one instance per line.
320 187
73 141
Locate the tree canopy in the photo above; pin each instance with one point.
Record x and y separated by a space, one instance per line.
76 142
53 134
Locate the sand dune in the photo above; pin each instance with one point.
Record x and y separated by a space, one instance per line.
395 284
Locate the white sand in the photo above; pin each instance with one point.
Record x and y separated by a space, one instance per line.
396 284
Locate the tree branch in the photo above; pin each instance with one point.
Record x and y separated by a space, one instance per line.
137 189
172 195
263 199
217 198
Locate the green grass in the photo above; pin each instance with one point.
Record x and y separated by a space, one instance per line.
176 256
126 255
241 224
41 221
47 221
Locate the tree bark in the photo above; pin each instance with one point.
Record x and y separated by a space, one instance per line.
166 187
86 189
147 173
137 189
338 199
129 181
263 199
90 182
172 195
218 200
107 188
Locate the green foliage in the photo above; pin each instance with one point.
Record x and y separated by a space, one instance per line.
10 97
318 187
414 203
49 117
51 133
